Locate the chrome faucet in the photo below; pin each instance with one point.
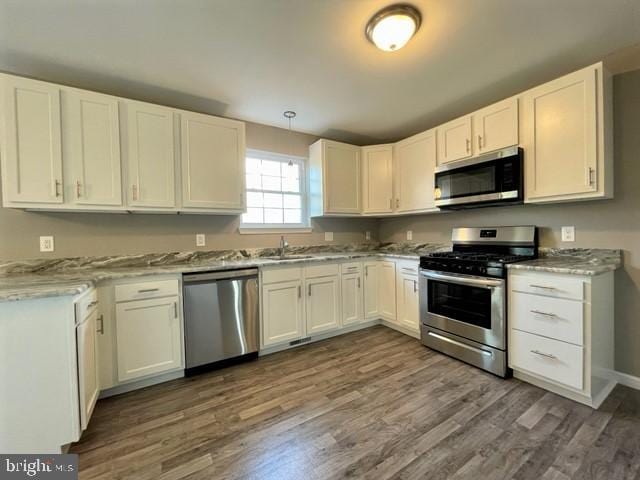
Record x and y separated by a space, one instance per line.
283 246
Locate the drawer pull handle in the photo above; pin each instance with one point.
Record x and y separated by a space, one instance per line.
545 314
542 354
101 329
148 290
92 304
542 287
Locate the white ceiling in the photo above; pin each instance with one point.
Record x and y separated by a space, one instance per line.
253 59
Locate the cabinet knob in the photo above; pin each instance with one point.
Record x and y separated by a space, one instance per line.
479 141
468 142
56 188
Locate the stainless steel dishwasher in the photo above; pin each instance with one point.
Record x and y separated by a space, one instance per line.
221 315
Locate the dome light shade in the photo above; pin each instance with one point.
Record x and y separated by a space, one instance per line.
392 27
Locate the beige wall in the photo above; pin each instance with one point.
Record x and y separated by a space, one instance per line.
78 234
599 224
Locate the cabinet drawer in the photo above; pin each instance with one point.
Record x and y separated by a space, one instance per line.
557 361
281 274
408 267
322 270
86 304
351 267
144 290
552 317
551 285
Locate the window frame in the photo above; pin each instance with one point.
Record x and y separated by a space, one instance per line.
301 227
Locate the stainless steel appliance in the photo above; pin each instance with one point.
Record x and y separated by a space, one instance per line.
494 178
463 294
221 317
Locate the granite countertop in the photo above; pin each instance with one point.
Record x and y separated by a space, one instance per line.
23 280
576 261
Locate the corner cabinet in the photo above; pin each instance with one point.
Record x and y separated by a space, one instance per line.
414 170
567 137
334 179
31 142
377 179
213 163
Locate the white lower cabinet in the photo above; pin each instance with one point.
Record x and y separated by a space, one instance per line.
407 297
322 304
561 333
352 293
371 280
282 312
88 381
387 290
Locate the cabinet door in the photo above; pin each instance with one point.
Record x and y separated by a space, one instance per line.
91 129
32 151
377 183
322 304
148 337
352 298
561 146
89 387
415 163
342 178
282 319
496 126
387 290
454 140
212 162
371 279
151 175
408 301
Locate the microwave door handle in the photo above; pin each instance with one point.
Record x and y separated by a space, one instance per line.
480 282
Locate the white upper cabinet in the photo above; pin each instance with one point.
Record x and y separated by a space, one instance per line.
377 179
91 135
150 155
213 162
334 178
31 142
454 140
567 137
496 126
415 162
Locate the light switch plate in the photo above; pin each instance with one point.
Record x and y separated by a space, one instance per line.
328 236
409 234
200 240
367 235
569 234
46 244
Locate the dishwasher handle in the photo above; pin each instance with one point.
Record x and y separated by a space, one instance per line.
224 275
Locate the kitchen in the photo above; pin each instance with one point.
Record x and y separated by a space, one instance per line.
136 272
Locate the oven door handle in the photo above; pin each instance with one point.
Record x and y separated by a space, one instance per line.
481 282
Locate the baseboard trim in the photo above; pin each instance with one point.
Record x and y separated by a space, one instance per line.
627 380
401 329
136 385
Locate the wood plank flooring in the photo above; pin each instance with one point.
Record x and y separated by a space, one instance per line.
373 404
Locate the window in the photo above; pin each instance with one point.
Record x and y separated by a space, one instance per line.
275 192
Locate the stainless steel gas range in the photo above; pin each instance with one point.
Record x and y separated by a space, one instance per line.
463 294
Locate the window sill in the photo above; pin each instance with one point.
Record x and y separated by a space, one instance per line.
272 230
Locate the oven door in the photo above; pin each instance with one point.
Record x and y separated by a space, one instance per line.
467 306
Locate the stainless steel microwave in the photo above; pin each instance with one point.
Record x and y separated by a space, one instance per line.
491 179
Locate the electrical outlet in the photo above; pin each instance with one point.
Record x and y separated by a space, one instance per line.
46 244
367 235
409 234
200 240
568 234
328 236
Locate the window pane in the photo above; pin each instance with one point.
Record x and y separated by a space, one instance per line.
269 167
291 171
273 200
292 201
272 215
253 215
253 166
271 183
292 215
254 199
290 184
253 181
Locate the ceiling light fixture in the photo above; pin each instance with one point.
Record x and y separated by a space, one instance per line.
392 27
290 115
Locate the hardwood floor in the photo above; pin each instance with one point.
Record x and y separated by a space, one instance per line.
373 404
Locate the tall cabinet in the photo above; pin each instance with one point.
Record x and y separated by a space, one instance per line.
377 179
414 165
